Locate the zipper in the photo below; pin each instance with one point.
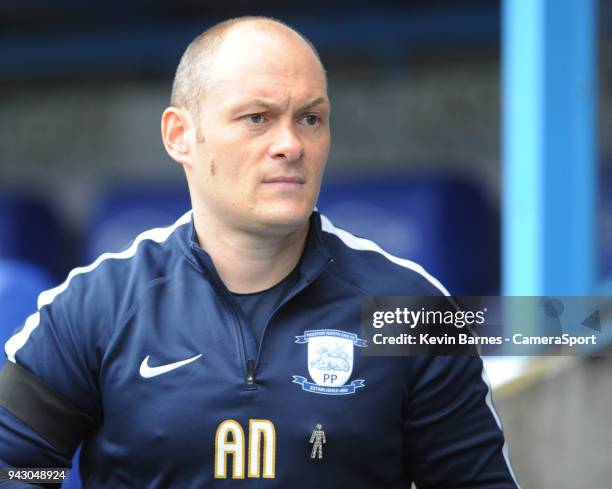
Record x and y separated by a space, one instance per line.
248 365
295 292
250 378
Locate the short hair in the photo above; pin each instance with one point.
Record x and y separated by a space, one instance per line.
193 74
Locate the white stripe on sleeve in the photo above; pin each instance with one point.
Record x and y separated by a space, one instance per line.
46 297
364 244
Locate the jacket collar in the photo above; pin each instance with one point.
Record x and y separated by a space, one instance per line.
315 256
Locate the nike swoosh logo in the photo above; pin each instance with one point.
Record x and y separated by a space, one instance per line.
147 372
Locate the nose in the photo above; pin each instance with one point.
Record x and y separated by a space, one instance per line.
287 144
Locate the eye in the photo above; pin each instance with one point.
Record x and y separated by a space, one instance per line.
256 118
311 119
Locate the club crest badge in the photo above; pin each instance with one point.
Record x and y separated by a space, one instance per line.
330 362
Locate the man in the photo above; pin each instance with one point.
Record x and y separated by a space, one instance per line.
211 350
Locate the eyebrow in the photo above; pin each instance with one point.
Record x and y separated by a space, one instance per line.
312 104
268 106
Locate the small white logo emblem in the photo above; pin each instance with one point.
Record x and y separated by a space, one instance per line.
330 362
148 372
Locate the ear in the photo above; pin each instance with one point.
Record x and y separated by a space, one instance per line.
178 133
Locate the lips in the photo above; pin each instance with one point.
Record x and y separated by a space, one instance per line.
284 179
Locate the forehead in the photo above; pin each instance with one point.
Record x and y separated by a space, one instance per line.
284 93
264 64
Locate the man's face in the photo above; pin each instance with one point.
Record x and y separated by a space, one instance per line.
265 134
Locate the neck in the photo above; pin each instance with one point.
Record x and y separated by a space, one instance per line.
247 262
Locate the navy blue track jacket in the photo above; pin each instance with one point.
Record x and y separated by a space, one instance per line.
143 357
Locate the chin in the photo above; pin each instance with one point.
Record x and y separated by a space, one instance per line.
286 217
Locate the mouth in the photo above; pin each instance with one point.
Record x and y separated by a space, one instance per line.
284 180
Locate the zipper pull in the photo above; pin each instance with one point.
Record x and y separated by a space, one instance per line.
250 372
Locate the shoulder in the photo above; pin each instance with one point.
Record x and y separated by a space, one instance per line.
375 271
99 294
149 256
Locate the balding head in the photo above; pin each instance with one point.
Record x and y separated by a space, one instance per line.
249 122
199 68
